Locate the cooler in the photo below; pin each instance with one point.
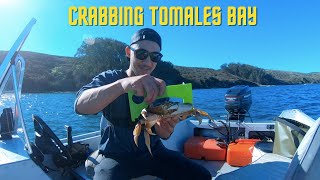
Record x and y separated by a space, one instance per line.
240 152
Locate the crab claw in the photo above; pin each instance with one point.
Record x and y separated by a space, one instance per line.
144 113
147 141
199 119
148 127
136 132
150 131
203 113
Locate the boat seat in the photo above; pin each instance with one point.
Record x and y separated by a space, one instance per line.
304 165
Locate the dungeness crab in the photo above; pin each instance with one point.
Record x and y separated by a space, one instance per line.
152 114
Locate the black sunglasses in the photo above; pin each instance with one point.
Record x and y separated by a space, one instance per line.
143 54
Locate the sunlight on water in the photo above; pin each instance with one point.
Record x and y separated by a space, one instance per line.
7 100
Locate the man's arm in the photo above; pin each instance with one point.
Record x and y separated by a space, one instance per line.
94 100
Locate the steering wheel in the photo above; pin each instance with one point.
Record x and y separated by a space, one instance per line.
47 139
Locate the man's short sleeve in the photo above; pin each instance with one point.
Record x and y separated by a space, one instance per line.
101 79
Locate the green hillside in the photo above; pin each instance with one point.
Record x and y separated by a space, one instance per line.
50 73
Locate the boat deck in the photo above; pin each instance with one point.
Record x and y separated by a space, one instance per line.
12 150
176 142
216 167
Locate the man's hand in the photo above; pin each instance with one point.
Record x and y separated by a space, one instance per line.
144 84
164 127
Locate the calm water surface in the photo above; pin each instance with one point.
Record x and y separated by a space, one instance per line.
267 102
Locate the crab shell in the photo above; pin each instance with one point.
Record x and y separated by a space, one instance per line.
151 115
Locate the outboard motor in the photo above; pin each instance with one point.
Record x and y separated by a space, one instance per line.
237 102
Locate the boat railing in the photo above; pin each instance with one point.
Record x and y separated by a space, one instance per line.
13 67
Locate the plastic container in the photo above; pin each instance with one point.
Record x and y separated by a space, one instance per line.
193 147
211 151
240 153
204 148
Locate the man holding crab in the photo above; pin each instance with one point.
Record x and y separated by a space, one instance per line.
107 92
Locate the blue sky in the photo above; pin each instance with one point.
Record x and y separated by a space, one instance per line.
287 36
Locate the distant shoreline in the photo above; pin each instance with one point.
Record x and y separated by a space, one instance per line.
54 74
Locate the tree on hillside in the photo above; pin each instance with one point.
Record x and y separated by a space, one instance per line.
245 71
165 70
251 73
102 54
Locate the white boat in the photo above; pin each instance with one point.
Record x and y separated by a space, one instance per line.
20 158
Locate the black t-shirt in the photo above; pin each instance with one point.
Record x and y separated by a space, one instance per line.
117 138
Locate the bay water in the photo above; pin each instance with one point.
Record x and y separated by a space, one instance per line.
57 109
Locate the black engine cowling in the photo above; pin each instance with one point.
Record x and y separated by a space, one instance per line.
238 100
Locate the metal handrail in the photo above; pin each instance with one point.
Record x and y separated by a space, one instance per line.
8 68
